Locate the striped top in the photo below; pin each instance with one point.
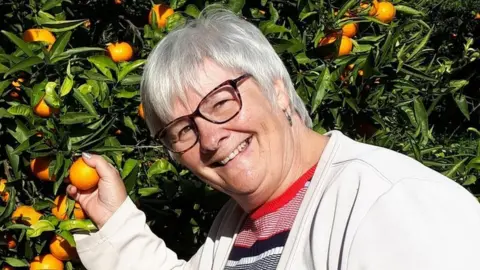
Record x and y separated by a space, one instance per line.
260 241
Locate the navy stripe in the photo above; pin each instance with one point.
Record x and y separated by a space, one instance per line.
259 247
268 263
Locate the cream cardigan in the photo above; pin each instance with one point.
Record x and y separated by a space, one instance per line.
366 208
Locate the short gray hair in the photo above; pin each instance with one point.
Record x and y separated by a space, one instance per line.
222 37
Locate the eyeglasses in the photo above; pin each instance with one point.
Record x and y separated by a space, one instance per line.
219 106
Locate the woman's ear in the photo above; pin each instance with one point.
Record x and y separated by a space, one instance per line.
283 100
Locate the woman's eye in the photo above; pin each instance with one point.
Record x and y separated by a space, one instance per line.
185 130
221 103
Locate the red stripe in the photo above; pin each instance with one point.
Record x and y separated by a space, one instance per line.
288 195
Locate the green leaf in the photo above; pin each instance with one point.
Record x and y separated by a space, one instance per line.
130 173
20 109
85 101
14 160
144 192
474 164
129 68
455 168
24 65
16 262
18 42
38 228
409 10
60 26
51 97
192 10
51 4
71 118
104 64
161 166
462 105
420 46
127 121
68 237
126 93
471 180
106 149
322 86
175 20
235 5
67 86
60 44
4 85
269 27
128 167
77 225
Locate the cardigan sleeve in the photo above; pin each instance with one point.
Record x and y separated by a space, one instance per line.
419 224
126 242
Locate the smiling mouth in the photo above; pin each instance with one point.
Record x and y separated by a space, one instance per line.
240 148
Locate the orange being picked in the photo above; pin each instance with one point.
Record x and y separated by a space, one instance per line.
43 110
141 113
385 12
373 7
162 12
120 51
83 176
4 195
47 261
61 249
26 214
60 209
32 35
346 44
39 167
350 30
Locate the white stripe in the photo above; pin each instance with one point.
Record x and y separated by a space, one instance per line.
250 260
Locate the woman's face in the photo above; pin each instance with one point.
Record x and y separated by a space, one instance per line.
259 134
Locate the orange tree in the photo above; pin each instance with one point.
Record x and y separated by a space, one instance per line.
70 74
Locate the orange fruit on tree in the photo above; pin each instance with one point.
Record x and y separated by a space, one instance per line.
477 16
162 12
83 176
47 261
373 7
43 110
4 195
8 267
17 83
385 12
39 167
118 2
118 132
11 243
32 35
350 30
61 249
120 51
141 113
26 214
60 208
346 44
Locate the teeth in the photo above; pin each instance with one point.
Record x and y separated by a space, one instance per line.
235 152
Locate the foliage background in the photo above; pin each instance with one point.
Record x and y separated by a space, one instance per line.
419 95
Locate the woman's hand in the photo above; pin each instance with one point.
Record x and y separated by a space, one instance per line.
101 202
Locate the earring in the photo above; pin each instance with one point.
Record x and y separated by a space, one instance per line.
289 118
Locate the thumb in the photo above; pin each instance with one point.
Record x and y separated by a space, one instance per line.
103 168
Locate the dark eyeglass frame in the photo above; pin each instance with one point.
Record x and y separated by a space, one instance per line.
197 113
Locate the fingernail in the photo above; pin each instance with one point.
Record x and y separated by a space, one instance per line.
86 155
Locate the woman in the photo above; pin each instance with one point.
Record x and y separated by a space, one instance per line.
218 97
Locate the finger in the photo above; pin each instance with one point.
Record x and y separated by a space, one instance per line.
72 191
104 169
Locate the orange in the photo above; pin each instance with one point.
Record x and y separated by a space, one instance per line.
118 132
11 242
26 214
87 24
346 44
32 35
14 94
47 261
4 195
351 66
83 176
43 110
360 72
60 209
141 113
61 249
8 267
39 167
477 16
120 51
385 12
162 12
17 83
118 2
350 30
373 8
